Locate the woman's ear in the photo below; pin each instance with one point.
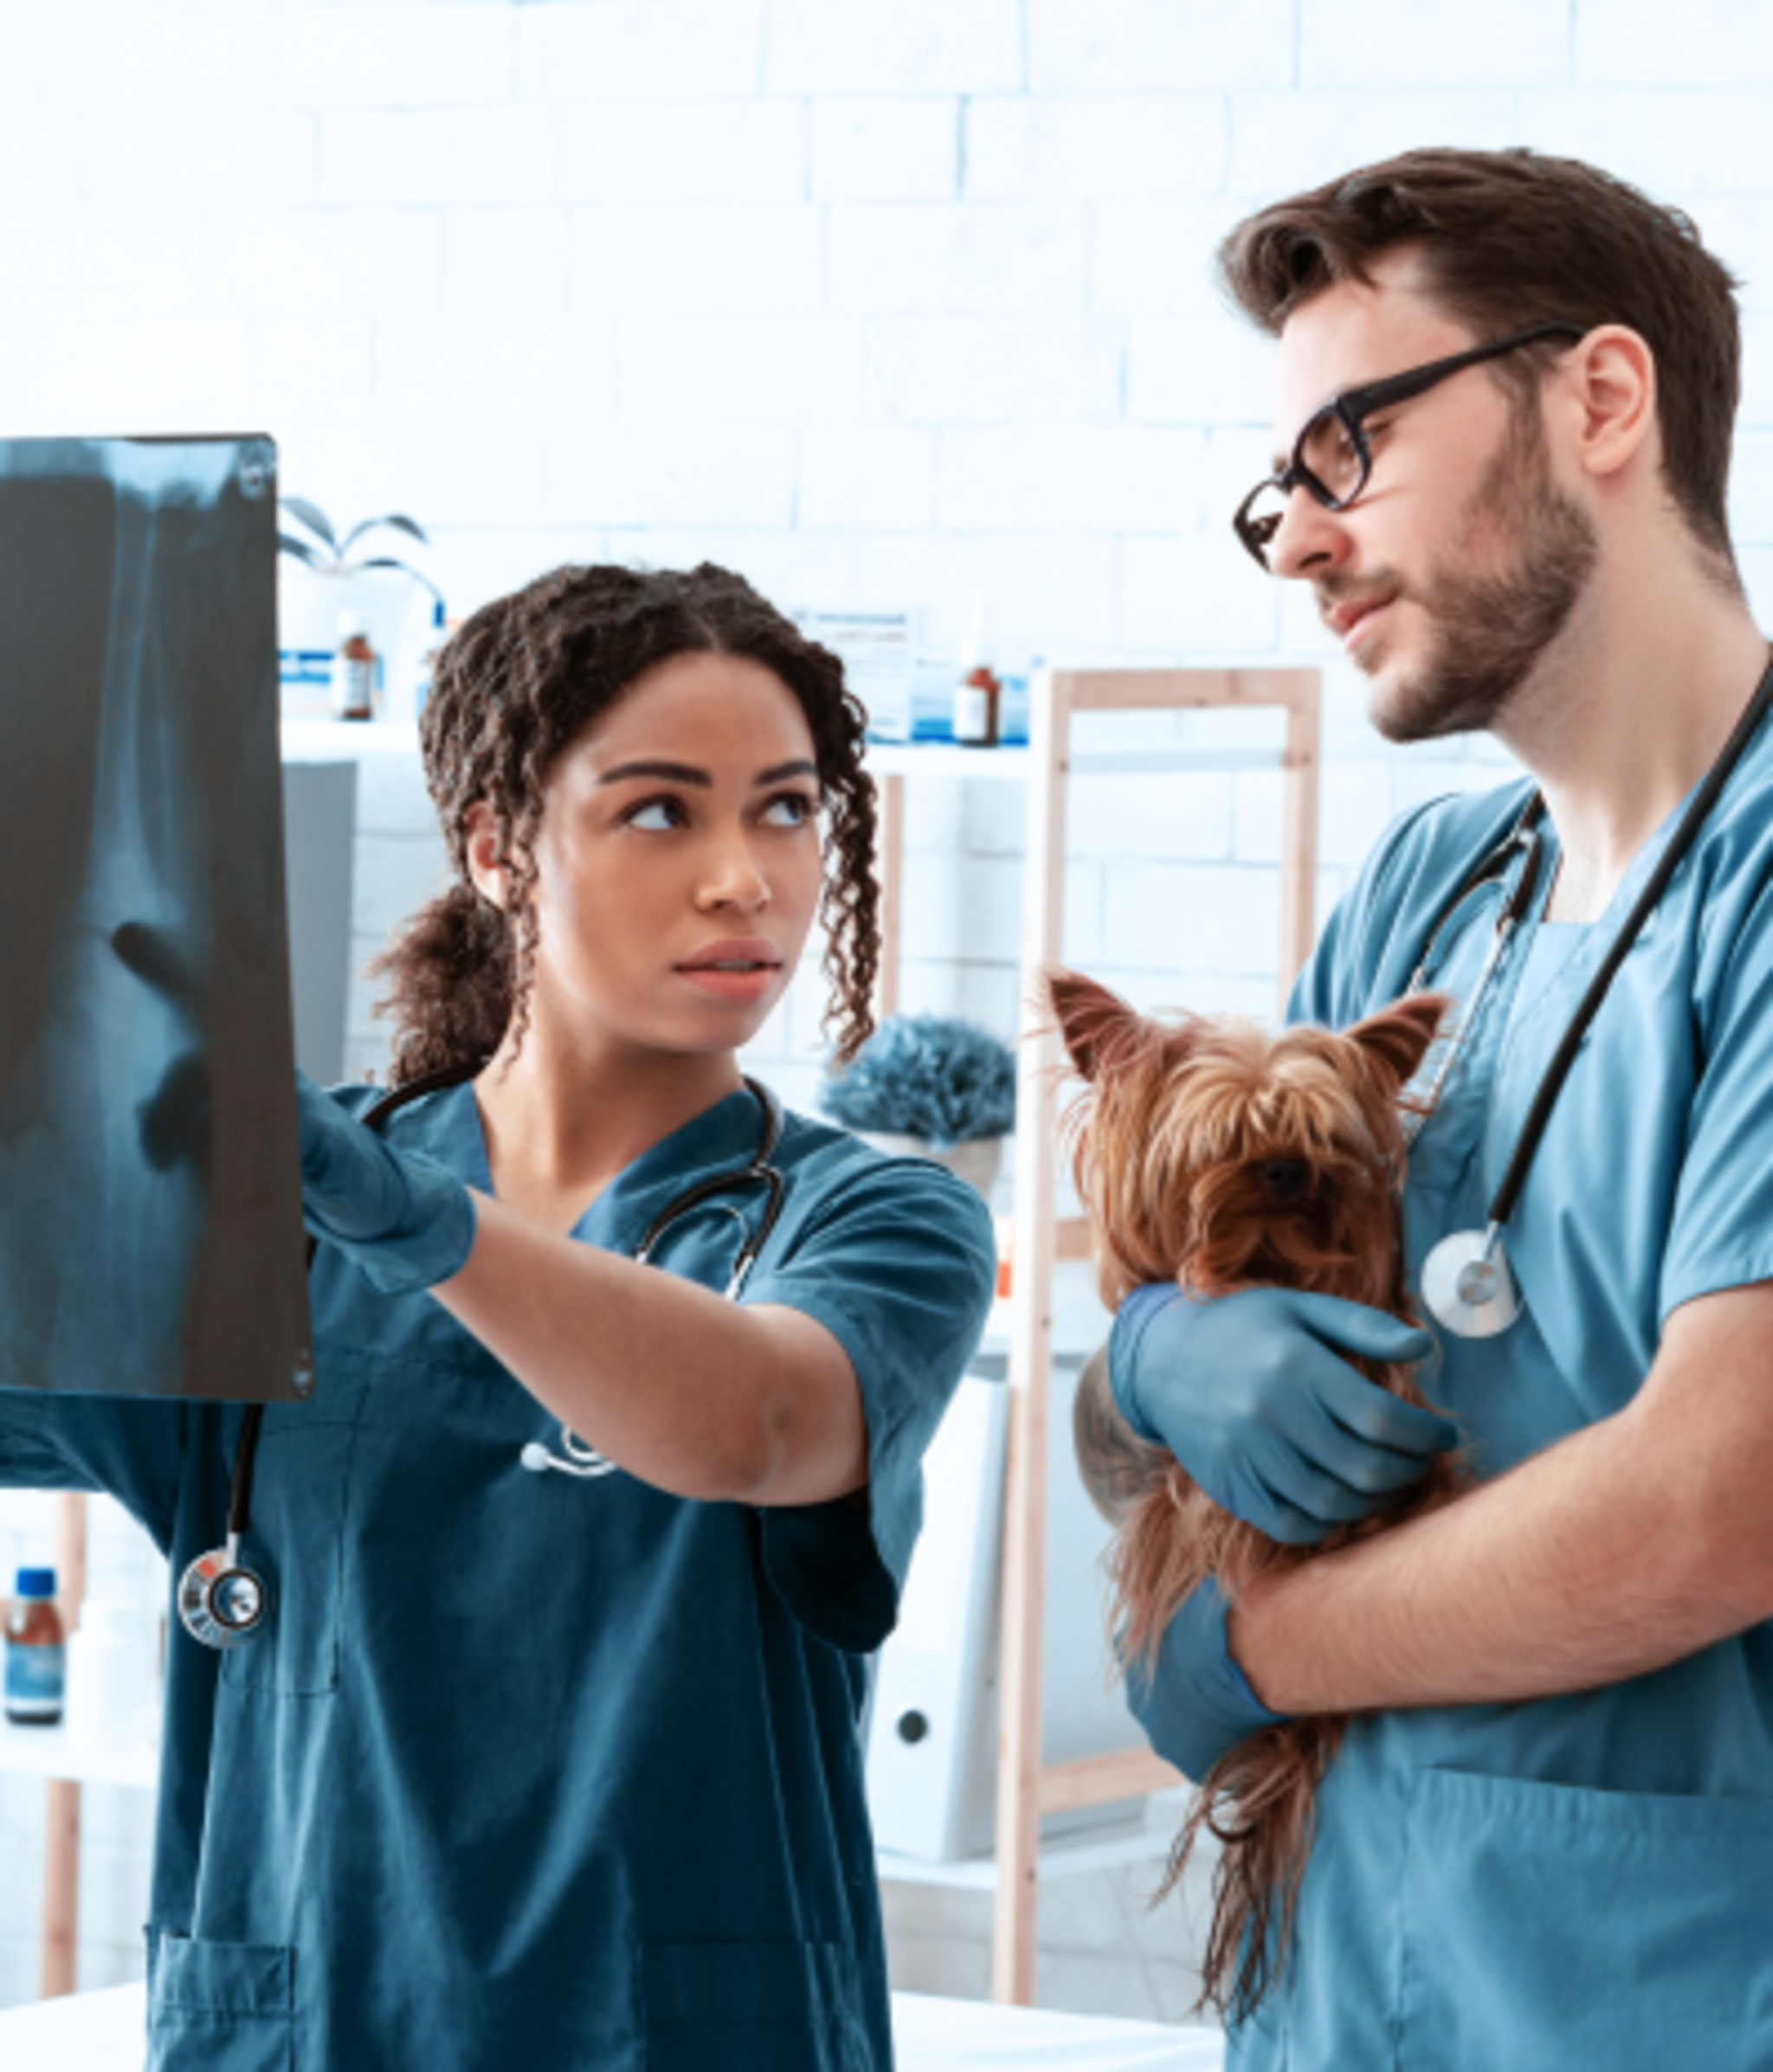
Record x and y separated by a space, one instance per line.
490 877
1092 1020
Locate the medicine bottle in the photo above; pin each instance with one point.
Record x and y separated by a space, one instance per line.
36 1658
978 699
978 696
353 670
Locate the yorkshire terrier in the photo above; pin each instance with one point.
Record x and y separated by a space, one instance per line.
1209 1153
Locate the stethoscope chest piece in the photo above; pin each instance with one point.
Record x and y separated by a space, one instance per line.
222 1603
1469 1286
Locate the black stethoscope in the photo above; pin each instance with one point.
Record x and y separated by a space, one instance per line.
1466 1282
222 1603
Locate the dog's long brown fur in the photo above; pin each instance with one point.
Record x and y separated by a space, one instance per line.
1212 1154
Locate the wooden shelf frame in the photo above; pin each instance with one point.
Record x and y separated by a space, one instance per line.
1025 1787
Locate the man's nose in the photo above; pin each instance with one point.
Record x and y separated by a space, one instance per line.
1309 540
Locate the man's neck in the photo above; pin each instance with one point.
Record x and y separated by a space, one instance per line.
1628 713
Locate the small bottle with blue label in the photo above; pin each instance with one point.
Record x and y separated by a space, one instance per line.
36 1657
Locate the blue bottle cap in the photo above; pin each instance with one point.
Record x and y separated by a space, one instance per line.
36 1583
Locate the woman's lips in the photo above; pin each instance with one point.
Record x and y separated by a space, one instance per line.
743 970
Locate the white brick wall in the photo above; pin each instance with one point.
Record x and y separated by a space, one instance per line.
867 150
1096 147
639 51
817 46
887 302
1642 44
1511 44
1159 46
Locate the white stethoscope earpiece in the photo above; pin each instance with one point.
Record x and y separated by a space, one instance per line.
578 1458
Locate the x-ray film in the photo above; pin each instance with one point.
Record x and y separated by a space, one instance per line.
151 1239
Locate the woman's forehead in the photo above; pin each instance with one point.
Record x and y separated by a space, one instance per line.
719 713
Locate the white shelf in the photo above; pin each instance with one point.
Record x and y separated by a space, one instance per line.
48 1751
345 741
355 740
1010 766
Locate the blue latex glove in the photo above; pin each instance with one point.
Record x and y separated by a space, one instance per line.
402 1219
1248 1392
1193 1702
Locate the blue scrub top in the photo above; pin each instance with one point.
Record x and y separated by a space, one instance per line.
530 1770
1587 1880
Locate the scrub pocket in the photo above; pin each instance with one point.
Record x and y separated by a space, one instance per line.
1545 1928
751 2007
229 2005
295 1541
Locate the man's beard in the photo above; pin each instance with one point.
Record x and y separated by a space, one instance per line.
1490 631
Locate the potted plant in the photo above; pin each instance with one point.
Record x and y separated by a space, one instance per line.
931 1086
321 578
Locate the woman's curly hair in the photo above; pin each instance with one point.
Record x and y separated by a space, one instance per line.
513 689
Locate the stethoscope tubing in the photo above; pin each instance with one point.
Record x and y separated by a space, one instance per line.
1679 847
1525 835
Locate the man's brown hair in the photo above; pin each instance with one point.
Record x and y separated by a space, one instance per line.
1511 239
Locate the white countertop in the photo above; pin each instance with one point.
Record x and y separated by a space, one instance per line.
103 2032
51 1752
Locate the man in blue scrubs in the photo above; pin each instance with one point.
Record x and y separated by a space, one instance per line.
1548 1840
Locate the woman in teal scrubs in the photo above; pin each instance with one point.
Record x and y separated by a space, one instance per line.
533 1767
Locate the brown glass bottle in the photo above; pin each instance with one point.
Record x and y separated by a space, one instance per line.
977 700
35 1652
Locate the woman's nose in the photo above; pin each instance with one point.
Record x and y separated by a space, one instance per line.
735 878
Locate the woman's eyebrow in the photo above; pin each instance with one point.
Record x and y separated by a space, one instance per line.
686 773
674 774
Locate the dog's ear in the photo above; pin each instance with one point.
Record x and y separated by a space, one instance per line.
1397 1038
1090 1018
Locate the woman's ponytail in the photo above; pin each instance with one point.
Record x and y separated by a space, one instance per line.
449 990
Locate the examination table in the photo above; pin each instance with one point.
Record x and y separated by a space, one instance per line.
102 2032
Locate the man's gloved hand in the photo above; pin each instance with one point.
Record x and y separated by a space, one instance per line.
402 1220
1250 1392
1193 1700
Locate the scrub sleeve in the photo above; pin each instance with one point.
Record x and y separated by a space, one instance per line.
840 1568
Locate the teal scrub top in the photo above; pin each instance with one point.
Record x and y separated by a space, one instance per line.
1587 1880
530 1770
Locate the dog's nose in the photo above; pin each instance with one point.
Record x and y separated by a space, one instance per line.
1285 1179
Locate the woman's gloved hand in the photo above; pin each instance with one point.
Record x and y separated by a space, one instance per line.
1193 1702
1251 1394
403 1221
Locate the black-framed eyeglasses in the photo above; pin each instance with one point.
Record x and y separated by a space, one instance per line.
1331 458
